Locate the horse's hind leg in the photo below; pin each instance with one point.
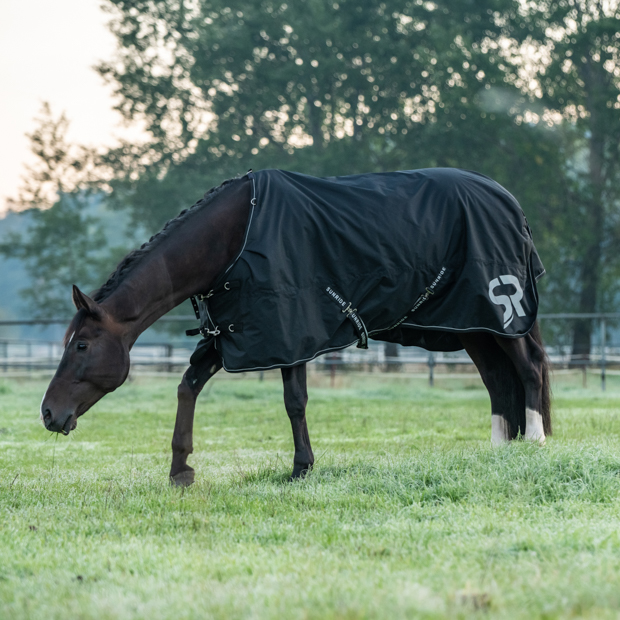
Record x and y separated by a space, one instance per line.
295 401
499 377
194 379
528 356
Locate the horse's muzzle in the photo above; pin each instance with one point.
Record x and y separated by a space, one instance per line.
61 424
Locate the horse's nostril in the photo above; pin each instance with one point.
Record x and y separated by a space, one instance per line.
47 416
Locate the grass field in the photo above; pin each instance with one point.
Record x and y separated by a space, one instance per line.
408 514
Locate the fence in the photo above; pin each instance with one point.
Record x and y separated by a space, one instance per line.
28 356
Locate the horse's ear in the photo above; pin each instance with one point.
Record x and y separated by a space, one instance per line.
84 301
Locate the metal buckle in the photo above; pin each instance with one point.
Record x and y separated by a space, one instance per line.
348 309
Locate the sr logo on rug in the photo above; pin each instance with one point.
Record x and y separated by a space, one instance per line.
508 301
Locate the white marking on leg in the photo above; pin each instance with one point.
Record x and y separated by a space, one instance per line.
500 431
534 430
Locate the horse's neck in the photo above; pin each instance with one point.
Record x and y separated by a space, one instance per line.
184 264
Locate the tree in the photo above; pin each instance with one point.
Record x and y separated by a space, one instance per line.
60 167
323 88
64 245
579 82
524 92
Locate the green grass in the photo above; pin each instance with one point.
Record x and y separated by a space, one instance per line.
408 514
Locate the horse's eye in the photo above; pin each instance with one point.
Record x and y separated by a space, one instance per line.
81 346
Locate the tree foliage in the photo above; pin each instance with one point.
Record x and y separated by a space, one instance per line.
324 88
60 166
526 92
64 244
578 82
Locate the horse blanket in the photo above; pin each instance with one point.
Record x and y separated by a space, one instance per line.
413 257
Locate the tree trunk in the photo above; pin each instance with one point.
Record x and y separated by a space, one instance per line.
315 118
589 279
590 275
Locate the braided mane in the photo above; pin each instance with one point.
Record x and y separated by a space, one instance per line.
135 258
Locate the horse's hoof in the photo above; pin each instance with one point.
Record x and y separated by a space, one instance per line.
183 478
537 441
300 471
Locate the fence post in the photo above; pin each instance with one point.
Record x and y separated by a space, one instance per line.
391 357
431 368
168 349
332 358
603 343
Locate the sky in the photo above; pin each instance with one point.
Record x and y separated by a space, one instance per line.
47 51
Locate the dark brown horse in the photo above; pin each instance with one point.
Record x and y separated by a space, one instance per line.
183 260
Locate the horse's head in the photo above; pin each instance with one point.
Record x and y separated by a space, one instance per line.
95 362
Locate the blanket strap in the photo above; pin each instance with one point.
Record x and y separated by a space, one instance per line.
360 328
352 315
194 332
204 321
195 307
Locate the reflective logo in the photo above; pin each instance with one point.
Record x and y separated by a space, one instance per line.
508 301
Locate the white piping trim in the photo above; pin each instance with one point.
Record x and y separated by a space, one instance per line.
309 359
540 275
455 330
474 329
253 202
245 241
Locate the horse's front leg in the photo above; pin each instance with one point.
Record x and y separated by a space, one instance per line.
295 401
194 379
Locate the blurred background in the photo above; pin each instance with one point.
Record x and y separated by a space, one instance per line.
116 115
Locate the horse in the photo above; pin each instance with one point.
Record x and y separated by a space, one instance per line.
195 254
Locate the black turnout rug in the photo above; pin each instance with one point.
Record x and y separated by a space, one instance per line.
412 257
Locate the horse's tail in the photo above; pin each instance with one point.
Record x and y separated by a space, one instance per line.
545 404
